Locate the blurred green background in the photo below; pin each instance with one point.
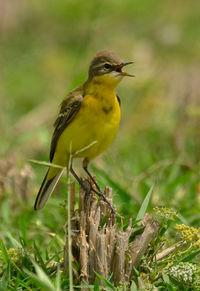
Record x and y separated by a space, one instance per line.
45 50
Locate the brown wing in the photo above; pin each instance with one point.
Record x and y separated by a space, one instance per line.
69 108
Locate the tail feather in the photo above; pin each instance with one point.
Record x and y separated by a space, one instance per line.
47 187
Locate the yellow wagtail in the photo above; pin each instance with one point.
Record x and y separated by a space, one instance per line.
87 123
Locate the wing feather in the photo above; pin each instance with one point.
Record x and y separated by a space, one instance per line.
69 108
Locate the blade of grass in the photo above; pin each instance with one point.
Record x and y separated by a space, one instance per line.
191 256
40 278
58 280
15 244
106 282
145 204
42 163
86 286
133 286
169 287
37 253
5 278
23 230
22 283
51 258
69 225
4 253
96 284
17 268
134 224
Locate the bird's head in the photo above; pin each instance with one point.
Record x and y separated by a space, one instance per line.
107 67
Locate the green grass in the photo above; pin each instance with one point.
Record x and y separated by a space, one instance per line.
31 250
42 58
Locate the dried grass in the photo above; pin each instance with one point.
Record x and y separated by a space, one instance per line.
97 244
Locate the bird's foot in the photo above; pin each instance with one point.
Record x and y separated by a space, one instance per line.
102 196
89 188
95 187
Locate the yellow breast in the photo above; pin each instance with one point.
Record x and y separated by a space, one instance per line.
95 124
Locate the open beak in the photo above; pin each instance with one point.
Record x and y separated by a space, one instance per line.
119 69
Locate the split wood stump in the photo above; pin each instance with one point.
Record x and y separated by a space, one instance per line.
98 246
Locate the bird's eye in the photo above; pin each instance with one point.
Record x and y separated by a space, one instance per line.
107 66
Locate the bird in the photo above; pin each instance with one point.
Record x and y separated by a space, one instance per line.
87 122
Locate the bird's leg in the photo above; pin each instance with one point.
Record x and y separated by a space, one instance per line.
80 181
91 177
99 192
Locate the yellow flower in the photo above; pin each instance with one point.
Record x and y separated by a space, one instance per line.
165 212
188 233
